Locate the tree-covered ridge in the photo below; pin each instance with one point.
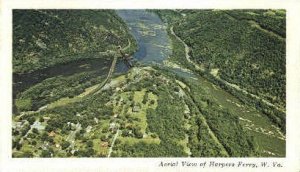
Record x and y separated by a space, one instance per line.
270 114
239 51
273 20
44 38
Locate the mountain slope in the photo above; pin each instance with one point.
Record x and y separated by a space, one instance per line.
44 38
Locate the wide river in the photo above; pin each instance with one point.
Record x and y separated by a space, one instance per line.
150 33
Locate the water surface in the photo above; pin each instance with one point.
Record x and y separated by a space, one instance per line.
154 45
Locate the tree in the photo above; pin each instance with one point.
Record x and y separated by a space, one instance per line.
50 140
125 133
49 128
35 131
117 141
122 125
152 102
15 132
105 130
130 98
153 135
41 119
139 134
44 136
81 131
90 152
28 154
145 98
46 153
31 120
77 135
65 145
23 132
18 146
24 104
89 143
103 138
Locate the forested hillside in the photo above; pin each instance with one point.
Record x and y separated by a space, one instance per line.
241 50
43 38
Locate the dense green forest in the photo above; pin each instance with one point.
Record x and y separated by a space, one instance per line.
272 20
241 47
242 53
53 89
43 38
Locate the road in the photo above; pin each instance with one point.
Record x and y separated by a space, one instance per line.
112 143
236 87
187 50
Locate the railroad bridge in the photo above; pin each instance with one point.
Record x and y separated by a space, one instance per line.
126 57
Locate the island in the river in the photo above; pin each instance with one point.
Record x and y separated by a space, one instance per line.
149 83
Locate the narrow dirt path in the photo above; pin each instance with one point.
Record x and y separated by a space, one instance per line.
112 144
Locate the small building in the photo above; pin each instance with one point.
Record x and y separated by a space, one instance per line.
88 129
112 126
96 120
51 134
75 126
46 118
136 108
186 110
17 125
38 125
73 151
104 144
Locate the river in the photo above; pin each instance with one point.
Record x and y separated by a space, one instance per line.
154 45
23 81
